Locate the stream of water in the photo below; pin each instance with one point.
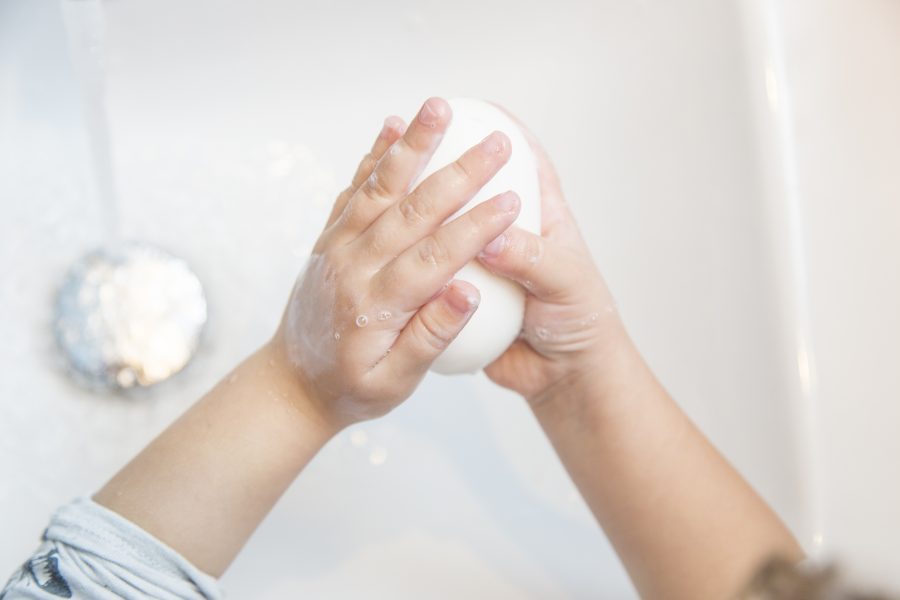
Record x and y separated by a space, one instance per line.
86 29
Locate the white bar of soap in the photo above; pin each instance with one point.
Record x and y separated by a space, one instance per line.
498 319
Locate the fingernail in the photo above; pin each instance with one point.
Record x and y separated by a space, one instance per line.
495 247
494 143
385 127
391 123
462 300
507 201
429 115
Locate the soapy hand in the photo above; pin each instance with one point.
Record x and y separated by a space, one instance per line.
571 323
377 302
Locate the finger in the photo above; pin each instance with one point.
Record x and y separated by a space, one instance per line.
435 199
431 330
395 172
415 275
393 128
540 265
557 221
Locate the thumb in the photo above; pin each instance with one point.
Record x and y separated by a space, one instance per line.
540 265
432 328
557 221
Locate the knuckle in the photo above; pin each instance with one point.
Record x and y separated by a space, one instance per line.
415 208
366 165
433 252
477 218
345 194
434 333
375 186
348 214
461 170
376 241
401 146
368 162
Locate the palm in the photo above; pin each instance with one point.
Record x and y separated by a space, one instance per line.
554 331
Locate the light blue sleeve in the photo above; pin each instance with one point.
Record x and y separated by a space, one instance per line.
90 552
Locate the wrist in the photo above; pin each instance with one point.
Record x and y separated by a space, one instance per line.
282 385
607 373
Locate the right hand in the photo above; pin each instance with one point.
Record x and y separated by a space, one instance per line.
571 323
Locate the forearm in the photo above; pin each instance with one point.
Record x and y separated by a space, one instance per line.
205 484
684 522
208 480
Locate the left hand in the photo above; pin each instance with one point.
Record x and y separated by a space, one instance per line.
377 302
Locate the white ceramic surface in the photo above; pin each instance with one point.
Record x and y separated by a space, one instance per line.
748 233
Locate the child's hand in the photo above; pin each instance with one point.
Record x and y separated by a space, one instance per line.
571 322
377 303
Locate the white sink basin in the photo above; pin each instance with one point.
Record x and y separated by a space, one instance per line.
753 252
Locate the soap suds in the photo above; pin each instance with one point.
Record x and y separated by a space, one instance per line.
310 318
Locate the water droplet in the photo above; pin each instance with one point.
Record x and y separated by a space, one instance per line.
384 315
337 335
362 321
542 332
595 316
